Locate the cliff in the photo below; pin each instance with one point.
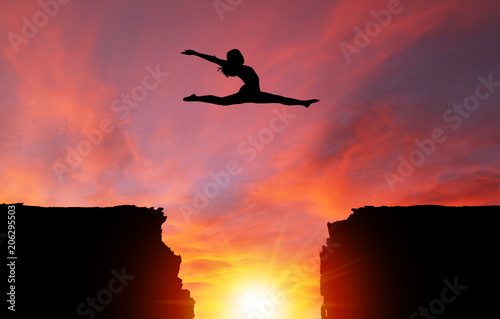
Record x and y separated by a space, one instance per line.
411 262
92 263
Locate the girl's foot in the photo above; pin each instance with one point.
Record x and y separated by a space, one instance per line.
309 102
192 97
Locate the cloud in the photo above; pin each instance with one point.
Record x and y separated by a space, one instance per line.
210 266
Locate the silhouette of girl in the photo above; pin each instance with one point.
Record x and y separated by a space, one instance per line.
249 92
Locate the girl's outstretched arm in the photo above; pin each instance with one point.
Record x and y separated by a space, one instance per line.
207 57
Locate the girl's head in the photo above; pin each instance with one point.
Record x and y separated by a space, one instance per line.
235 57
235 60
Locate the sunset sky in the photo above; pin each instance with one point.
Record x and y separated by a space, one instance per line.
92 115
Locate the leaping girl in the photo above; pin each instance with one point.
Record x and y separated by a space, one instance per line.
250 91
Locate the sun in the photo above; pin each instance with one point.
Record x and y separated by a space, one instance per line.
258 301
252 298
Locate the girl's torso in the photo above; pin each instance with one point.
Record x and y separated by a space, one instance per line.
246 74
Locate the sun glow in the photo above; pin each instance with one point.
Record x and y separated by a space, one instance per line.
258 301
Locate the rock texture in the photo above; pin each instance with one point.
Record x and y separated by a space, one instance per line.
411 262
96 263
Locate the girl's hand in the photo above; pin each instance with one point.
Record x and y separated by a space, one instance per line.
188 52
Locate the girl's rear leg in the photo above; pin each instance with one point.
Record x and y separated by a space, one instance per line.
226 100
192 97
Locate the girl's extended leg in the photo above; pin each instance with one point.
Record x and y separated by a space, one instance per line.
226 100
264 97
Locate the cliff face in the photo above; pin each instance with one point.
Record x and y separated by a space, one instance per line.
411 262
95 263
